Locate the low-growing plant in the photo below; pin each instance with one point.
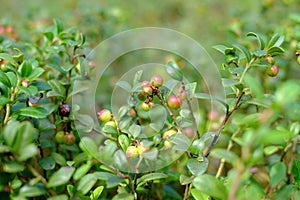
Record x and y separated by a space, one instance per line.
154 146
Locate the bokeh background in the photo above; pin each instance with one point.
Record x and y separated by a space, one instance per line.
209 22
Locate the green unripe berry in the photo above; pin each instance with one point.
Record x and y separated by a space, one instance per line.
60 137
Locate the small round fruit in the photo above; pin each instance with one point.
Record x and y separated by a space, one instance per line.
146 106
189 132
272 71
132 152
167 144
104 115
64 109
141 148
270 60
60 137
298 60
174 102
146 84
147 90
156 80
70 139
132 112
168 133
111 123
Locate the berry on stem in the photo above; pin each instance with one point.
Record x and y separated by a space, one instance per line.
156 80
272 71
132 152
174 102
105 115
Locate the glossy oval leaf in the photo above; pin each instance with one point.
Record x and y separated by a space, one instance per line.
174 71
211 186
61 177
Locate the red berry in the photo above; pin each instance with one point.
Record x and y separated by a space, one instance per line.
174 102
132 112
272 71
70 139
156 80
189 132
104 115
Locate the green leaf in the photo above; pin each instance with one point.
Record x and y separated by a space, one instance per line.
220 48
25 69
255 86
88 146
61 177
210 185
13 167
32 191
12 78
276 40
204 96
174 71
96 193
150 177
225 154
59 197
4 79
184 180
271 149
135 130
57 88
59 159
58 25
123 196
84 123
277 173
259 39
86 183
111 179
35 74
8 58
137 77
34 112
4 100
47 163
41 86
296 171
26 152
197 167
125 85
244 50
191 88
274 51
123 141
287 92
81 171
199 195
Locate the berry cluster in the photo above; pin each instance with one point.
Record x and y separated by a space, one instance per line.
149 93
273 69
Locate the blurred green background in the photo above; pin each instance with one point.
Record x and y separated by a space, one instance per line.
209 22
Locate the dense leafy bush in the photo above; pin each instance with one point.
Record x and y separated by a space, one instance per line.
164 141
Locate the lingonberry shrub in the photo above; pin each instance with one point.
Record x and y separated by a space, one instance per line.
155 146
